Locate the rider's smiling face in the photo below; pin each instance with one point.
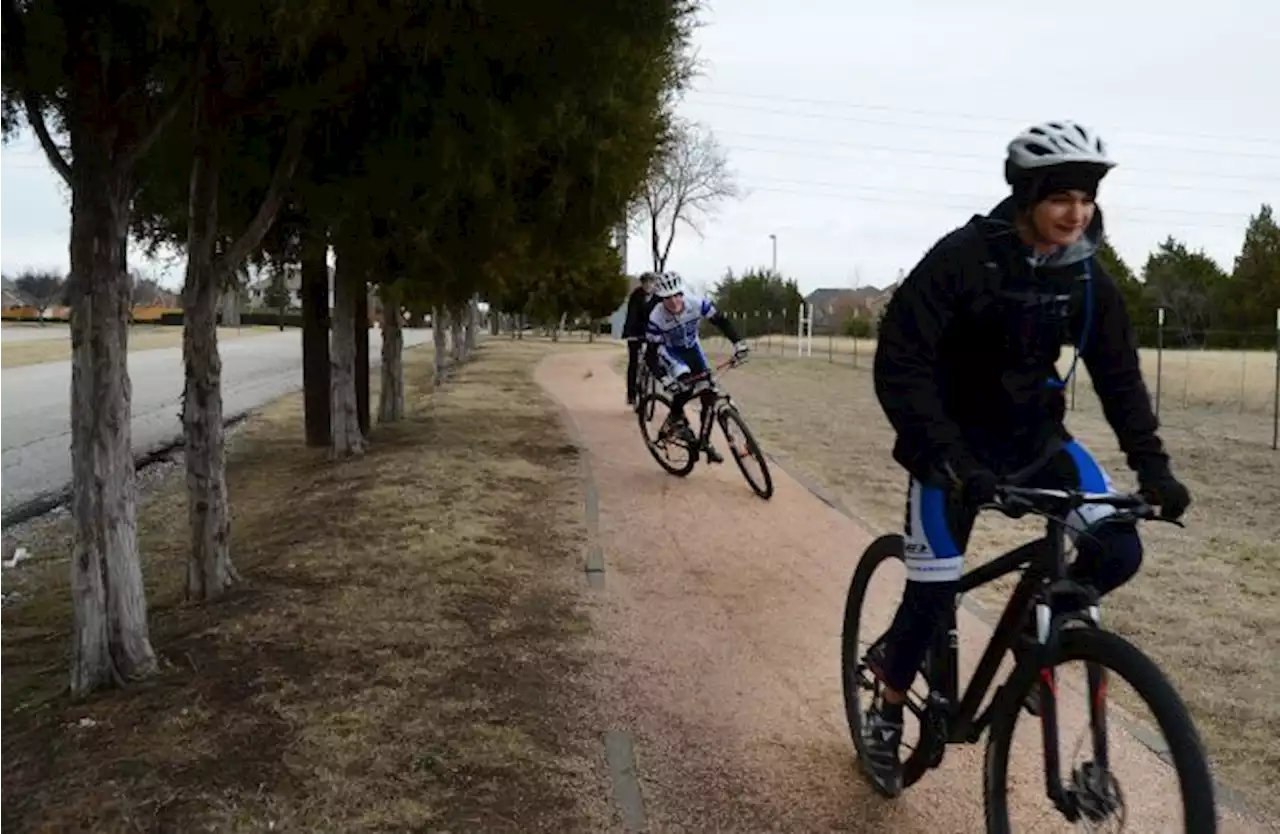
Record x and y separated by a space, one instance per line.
674 303
1061 218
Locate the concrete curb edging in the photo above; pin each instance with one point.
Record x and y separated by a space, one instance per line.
619 746
593 564
1226 796
626 784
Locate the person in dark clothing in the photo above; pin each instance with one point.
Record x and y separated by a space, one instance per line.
966 371
639 305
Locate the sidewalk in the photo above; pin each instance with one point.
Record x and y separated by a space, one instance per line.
718 641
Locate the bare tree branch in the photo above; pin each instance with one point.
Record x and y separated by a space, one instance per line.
140 148
15 43
261 223
686 180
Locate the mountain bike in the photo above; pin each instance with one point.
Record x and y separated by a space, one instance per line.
1091 796
717 408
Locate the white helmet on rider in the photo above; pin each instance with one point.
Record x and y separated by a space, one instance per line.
668 284
1054 156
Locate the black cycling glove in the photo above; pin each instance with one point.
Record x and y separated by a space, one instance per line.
977 483
1157 485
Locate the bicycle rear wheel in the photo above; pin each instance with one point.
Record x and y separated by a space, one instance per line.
856 678
743 446
1101 799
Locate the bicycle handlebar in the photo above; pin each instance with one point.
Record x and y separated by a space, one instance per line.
1015 501
731 362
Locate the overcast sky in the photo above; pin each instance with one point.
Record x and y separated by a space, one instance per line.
861 133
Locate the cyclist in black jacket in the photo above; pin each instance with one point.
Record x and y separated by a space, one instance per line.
639 305
966 371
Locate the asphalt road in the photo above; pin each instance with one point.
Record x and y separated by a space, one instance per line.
37 417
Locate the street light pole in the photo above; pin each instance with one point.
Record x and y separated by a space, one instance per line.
774 238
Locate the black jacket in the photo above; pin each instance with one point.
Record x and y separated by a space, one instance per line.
638 307
965 366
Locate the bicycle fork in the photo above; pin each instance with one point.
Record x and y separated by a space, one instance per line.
1088 794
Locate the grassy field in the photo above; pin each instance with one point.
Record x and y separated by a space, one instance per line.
141 337
1207 603
342 688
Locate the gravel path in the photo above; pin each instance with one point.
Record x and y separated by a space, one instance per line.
717 643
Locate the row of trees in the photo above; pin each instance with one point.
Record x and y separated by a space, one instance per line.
443 152
1199 296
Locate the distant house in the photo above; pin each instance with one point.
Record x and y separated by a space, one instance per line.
833 306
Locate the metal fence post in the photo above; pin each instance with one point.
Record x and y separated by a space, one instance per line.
1159 355
1275 392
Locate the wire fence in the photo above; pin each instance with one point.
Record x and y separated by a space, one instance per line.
1207 382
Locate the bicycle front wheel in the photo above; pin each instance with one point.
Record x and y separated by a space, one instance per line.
746 452
1095 790
671 453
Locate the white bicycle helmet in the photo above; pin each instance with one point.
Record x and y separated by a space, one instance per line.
668 284
1053 144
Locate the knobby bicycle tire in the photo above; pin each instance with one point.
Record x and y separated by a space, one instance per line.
877 553
730 414
646 407
1122 658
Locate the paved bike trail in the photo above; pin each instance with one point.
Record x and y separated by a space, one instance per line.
716 646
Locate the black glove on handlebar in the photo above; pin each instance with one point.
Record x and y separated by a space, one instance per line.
1161 489
977 483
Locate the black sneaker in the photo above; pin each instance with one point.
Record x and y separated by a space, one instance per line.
881 738
712 455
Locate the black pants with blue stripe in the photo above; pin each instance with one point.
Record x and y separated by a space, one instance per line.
938 525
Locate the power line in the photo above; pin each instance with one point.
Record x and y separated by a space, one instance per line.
972 208
983 156
887 108
952 169
862 120
931 193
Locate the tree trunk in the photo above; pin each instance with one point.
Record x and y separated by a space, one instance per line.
110 640
391 394
315 336
438 341
457 349
229 302
362 355
209 568
347 282
473 324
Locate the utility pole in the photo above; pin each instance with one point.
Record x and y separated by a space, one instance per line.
774 238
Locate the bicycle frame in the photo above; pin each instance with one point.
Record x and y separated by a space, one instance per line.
712 397
1043 581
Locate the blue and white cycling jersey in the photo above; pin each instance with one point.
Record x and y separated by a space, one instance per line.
676 335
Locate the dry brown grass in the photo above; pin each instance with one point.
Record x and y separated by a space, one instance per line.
402 657
141 337
1207 603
